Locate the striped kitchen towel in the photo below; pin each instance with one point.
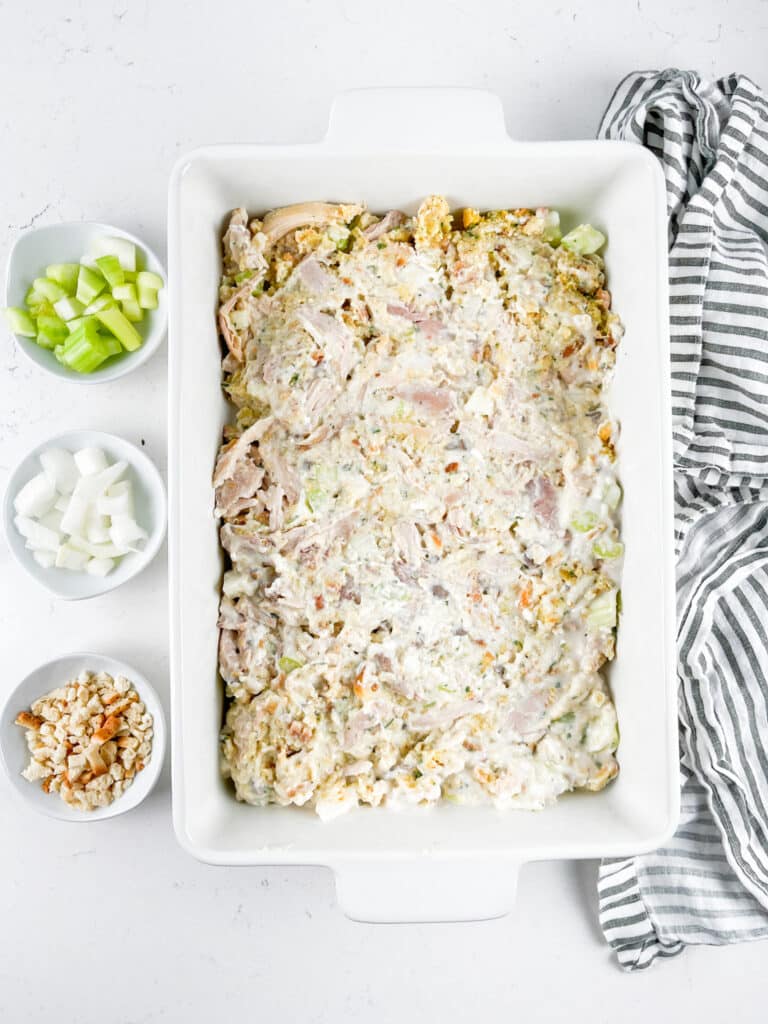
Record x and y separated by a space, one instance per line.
709 884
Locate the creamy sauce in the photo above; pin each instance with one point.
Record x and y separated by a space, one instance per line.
420 513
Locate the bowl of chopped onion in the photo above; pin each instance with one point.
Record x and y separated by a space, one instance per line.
86 302
84 512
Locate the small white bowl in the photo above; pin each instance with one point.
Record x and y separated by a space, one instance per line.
68 243
149 499
14 752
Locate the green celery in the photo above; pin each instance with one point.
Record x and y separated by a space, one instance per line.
602 612
20 322
289 665
121 327
584 521
102 302
68 308
90 283
608 549
50 290
54 329
583 240
146 279
132 311
111 269
85 349
125 292
147 297
64 274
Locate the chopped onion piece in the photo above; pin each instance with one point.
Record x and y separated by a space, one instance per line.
125 531
39 538
120 247
36 497
62 503
45 558
116 500
98 550
68 557
99 566
90 461
51 520
61 469
73 520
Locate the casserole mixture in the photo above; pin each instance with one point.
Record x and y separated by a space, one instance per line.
419 507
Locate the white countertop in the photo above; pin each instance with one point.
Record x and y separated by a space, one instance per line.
112 922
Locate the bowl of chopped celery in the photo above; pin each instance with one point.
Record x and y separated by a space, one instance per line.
85 301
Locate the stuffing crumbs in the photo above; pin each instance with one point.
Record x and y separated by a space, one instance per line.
88 739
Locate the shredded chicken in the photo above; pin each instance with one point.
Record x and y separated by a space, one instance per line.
419 509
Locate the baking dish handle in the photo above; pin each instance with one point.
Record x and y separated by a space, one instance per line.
407 119
426 890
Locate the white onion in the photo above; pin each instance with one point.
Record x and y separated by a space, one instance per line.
99 566
39 537
52 520
73 520
125 531
61 469
36 497
90 461
78 513
116 500
68 557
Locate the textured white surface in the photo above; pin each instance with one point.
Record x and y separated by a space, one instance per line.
112 921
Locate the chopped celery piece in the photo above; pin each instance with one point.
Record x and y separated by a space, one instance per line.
551 232
288 664
147 297
85 350
51 331
72 325
111 269
102 302
20 322
132 311
111 345
125 292
130 276
124 250
64 274
39 306
608 549
584 240
602 612
584 521
49 290
90 283
68 308
121 327
146 279
46 339
53 323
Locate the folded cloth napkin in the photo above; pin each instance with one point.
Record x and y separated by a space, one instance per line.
709 884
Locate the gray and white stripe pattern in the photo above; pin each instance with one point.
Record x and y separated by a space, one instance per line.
710 883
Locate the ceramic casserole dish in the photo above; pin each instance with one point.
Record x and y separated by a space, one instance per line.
390 148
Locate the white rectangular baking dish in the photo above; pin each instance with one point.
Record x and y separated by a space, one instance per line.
391 148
